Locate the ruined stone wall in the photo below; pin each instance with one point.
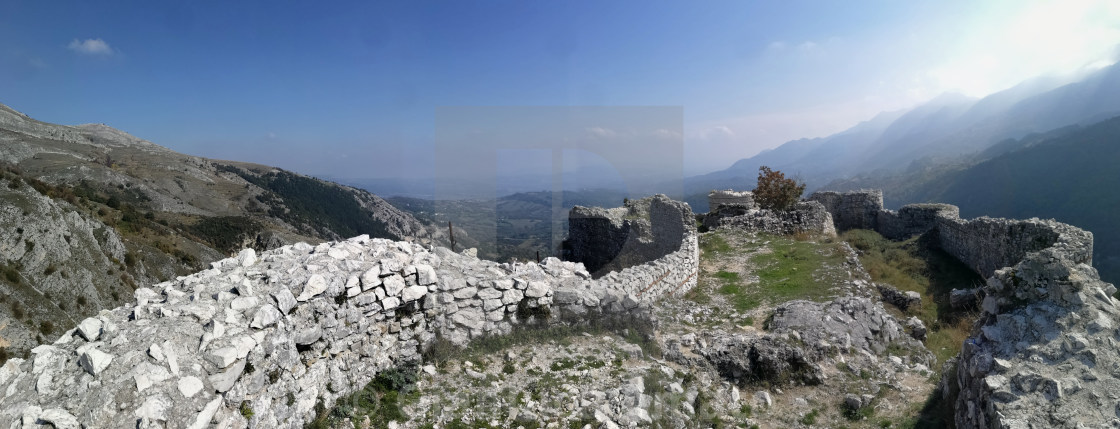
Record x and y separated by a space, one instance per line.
730 198
1044 350
852 210
644 230
983 244
913 219
805 217
301 325
987 244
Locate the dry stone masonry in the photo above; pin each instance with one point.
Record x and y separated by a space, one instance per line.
731 209
642 230
285 330
730 198
1044 351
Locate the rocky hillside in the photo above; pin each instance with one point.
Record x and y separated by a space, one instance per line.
88 213
365 332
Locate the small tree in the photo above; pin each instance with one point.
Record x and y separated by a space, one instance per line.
775 191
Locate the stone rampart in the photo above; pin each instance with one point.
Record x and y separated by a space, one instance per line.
983 244
1043 352
987 244
730 197
303 325
913 219
644 230
805 217
852 210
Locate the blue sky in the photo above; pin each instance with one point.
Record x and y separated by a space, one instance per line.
351 89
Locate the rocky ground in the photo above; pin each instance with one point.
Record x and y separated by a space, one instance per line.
841 360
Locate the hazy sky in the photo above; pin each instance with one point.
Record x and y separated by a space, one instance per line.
352 89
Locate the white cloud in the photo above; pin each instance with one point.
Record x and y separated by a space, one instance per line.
601 132
718 131
776 46
663 133
807 45
90 47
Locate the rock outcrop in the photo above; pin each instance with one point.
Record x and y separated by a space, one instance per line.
802 336
1044 352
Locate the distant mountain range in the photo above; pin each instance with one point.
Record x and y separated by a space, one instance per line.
948 128
1070 174
88 213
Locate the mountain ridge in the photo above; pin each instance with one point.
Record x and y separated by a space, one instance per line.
93 205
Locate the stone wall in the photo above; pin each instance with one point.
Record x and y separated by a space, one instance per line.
299 325
1044 350
913 219
805 217
987 244
983 244
644 230
852 210
729 197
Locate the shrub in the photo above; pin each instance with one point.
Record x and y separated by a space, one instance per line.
775 192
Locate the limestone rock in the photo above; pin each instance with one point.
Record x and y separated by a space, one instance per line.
94 361
413 293
224 381
90 329
189 386
316 285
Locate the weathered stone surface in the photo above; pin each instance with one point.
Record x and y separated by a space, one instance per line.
247 257
393 284
182 352
903 300
1035 356
266 316
94 361
308 335
852 210
316 285
805 217
641 231
413 293
224 381
963 298
730 197
90 329
60 419
285 301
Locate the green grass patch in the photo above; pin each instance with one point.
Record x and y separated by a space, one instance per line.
381 400
787 271
918 265
791 269
714 243
811 417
